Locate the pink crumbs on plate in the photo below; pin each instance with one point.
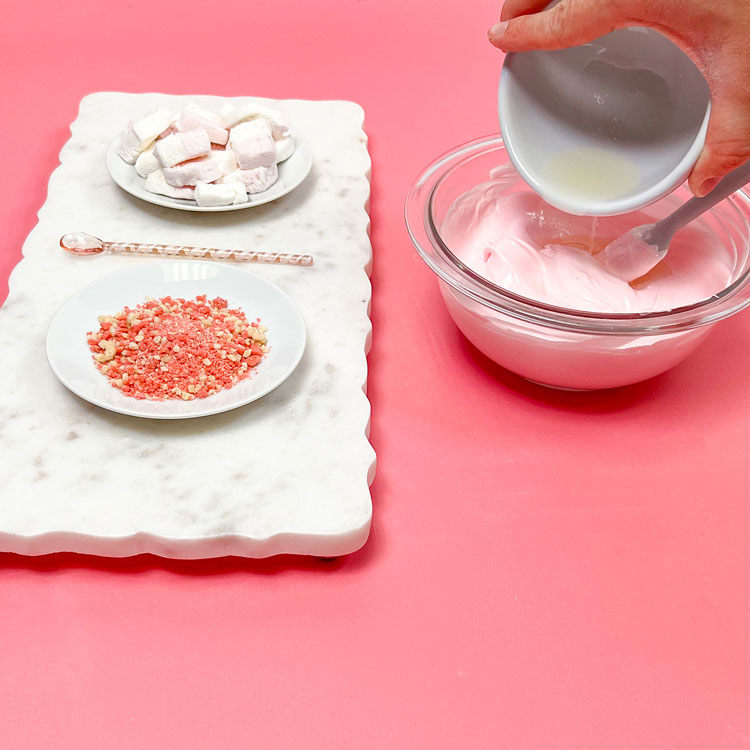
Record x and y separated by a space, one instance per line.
172 348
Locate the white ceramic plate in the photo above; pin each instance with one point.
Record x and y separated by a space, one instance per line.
71 360
292 172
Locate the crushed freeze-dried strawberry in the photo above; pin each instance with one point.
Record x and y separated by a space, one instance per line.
172 348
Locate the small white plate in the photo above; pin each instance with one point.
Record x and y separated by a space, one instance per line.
71 360
292 172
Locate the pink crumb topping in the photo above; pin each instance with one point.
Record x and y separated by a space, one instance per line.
172 348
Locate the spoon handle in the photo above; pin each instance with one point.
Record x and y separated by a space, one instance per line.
213 253
663 230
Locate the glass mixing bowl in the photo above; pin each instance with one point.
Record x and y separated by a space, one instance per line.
551 345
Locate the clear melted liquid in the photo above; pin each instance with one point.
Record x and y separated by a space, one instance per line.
592 174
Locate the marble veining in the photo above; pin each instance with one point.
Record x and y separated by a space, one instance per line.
289 473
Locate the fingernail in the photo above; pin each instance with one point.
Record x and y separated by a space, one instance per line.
497 31
707 186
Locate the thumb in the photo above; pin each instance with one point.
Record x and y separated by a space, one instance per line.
727 143
567 24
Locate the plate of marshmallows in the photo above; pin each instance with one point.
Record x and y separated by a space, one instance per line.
199 160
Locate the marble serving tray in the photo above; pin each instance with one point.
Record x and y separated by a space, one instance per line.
289 473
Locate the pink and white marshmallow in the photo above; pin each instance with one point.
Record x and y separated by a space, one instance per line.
205 169
142 133
255 180
284 148
234 114
253 144
155 183
193 117
227 194
180 147
215 159
146 162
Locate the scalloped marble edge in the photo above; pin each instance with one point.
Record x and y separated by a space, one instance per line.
194 548
175 548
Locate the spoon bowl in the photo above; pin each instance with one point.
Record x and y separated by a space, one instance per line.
636 252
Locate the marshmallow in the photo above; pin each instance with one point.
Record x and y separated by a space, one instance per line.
253 144
255 180
214 159
128 146
171 129
146 162
284 148
155 183
234 115
227 159
180 147
205 169
227 194
142 133
194 117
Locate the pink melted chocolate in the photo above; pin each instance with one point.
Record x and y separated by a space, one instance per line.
524 245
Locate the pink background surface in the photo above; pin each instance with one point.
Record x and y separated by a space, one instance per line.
545 570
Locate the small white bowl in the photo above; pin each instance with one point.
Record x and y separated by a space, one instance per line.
607 127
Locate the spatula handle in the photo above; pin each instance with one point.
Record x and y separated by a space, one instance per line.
692 209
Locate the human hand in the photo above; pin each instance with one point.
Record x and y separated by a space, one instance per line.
713 35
